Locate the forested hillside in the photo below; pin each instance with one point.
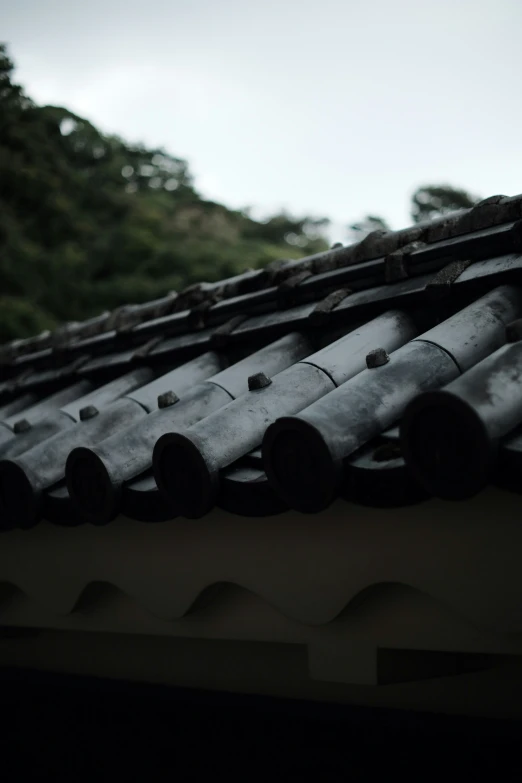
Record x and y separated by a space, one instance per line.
89 222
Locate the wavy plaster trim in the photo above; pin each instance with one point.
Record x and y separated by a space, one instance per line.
464 556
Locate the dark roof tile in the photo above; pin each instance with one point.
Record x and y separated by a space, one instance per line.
327 423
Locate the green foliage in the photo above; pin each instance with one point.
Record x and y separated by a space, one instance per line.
22 317
428 202
431 201
365 226
89 222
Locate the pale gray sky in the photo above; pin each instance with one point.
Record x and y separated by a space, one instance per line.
322 107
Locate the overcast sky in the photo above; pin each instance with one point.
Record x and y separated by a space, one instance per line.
321 107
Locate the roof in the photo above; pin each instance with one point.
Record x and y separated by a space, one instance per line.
382 372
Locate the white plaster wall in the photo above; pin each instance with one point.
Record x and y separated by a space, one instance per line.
340 585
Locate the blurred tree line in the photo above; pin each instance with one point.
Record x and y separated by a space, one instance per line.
427 203
89 222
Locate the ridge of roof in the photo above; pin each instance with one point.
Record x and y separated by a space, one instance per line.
281 388
198 299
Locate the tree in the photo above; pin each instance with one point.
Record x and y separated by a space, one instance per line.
428 202
12 97
431 201
89 222
365 226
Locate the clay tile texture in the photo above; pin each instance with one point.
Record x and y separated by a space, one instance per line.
283 380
